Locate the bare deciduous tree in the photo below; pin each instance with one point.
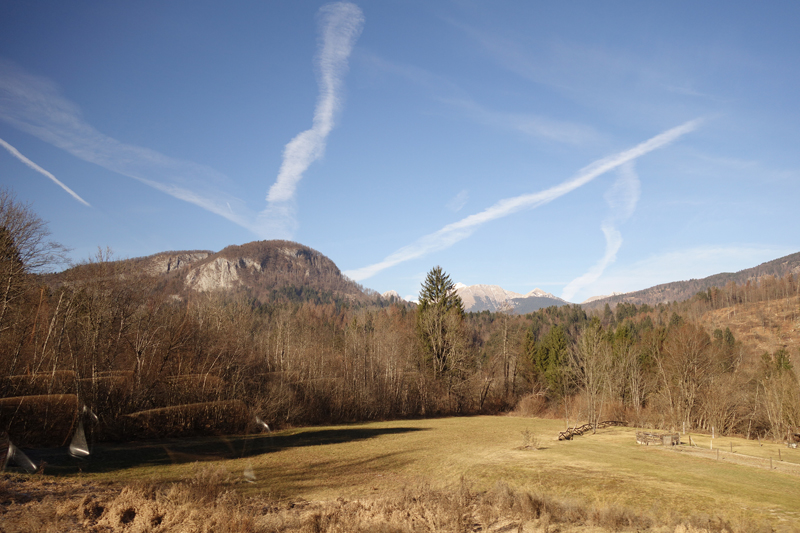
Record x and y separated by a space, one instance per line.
24 250
686 368
591 368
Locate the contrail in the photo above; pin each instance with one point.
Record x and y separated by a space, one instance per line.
35 105
457 231
13 151
622 199
613 244
340 24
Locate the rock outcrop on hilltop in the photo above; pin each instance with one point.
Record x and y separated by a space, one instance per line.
265 270
389 295
264 266
167 262
220 273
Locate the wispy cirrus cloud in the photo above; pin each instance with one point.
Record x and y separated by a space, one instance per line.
36 106
603 77
458 201
530 125
448 93
622 199
341 24
13 151
457 231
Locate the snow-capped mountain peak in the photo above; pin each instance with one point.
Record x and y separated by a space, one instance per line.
484 297
493 298
539 293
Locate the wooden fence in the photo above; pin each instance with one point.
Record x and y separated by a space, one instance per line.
580 430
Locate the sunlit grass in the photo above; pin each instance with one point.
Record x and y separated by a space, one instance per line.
606 469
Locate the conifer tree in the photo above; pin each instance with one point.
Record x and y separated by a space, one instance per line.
440 316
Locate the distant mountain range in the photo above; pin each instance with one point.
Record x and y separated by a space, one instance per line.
683 290
477 298
284 270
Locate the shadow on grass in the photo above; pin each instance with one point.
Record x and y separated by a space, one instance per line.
110 457
285 480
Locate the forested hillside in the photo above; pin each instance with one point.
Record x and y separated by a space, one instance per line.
263 271
153 359
678 291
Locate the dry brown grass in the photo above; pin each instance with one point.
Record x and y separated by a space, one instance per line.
466 474
203 503
208 502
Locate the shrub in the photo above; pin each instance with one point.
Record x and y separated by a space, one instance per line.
43 420
205 418
529 440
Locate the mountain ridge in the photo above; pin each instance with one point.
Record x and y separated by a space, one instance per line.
683 290
493 298
263 269
281 269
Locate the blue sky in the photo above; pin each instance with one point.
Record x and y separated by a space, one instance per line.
580 147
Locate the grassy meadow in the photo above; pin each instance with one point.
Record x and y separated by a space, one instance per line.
363 462
608 468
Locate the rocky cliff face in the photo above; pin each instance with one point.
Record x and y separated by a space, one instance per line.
263 269
263 266
218 274
167 262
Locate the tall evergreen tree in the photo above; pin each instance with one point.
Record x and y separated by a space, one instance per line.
439 291
440 316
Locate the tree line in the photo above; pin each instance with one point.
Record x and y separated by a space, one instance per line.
151 363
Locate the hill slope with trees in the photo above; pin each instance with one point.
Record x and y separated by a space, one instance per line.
265 271
153 357
679 291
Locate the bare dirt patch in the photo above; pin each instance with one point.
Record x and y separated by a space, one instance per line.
761 326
